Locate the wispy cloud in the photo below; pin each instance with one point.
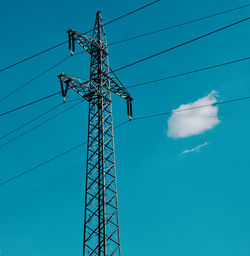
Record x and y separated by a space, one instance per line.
183 124
196 149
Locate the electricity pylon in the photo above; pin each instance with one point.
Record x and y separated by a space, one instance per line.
101 225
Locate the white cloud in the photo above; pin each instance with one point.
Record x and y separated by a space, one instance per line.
183 123
196 149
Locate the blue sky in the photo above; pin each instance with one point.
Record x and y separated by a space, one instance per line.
169 203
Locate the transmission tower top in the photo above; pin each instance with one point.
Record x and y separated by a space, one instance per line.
96 46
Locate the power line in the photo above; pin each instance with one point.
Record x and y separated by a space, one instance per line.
128 39
34 78
145 83
182 44
124 40
119 125
40 165
132 86
31 121
63 60
129 13
121 41
125 15
136 85
50 160
40 124
28 104
180 24
165 112
36 118
33 56
135 37
192 108
57 45
38 76
189 72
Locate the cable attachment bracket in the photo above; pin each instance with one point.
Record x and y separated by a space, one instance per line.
129 108
64 90
71 41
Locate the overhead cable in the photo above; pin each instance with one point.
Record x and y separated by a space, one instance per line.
57 45
34 78
124 40
40 165
129 13
180 24
151 82
119 125
33 56
30 103
50 160
189 72
40 124
182 44
192 108
31 121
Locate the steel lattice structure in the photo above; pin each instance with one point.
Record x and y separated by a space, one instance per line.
101 225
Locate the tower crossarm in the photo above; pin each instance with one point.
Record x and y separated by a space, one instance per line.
86 89
119 89
93 45
85 41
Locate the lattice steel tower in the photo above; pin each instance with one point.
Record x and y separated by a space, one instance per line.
101 225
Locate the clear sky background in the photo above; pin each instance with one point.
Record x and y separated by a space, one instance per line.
170 203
